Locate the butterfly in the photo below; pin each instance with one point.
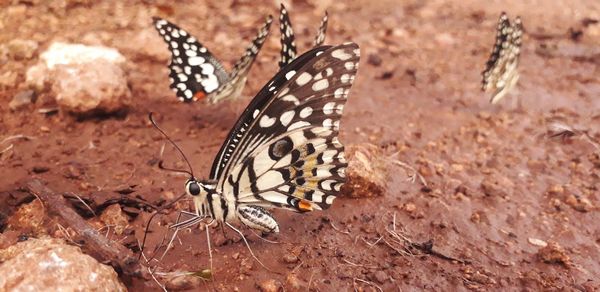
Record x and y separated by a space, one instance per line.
501 70
288 45
283 151
196 74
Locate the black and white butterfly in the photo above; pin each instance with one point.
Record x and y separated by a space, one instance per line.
283 151
196 74
288 44
501 70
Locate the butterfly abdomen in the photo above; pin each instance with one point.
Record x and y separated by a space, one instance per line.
257 218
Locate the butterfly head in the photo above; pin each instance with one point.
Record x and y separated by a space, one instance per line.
199 191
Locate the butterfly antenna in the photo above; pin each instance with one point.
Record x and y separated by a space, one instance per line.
160 164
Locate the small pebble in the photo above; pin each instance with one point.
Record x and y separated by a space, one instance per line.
554 254
290 259
270 285
374 60
22 49
40 169
381 276
537 242
292 282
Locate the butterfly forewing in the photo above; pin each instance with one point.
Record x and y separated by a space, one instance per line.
290 155
501 72
322 32
288 45
194 71
256 106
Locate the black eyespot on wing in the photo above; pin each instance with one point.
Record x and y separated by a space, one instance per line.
280 148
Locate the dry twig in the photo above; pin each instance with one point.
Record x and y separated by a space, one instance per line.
92 242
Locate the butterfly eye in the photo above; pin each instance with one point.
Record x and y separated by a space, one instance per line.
193 188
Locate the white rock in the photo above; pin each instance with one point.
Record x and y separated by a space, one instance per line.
69 54
52 265
82 78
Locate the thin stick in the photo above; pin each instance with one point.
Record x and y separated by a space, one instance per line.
416 174
11 146
351 263
15 137
368 283
85 204
338 230
156 280
310 281
93 243
371 245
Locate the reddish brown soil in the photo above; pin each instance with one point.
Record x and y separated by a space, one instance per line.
496 181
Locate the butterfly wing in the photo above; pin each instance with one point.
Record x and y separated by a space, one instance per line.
288 45
502 34
508 73
320 38
194 71
257 105
501 74
242 67
290 156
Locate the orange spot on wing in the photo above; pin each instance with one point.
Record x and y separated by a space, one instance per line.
305 205
199 95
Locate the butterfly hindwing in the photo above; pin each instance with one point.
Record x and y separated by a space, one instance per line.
194 71
241 68
501 72
290 156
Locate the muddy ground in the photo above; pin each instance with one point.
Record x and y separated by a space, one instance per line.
498 187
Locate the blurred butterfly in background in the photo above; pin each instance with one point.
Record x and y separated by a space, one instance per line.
196 74
288 44
501 70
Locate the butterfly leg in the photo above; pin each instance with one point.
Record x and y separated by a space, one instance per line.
224 234
262 238
248 246
195 219
210 257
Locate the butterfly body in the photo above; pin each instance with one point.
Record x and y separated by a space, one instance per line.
283 151
212 204
501 72
195 74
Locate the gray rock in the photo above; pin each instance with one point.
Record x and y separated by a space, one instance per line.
22 99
